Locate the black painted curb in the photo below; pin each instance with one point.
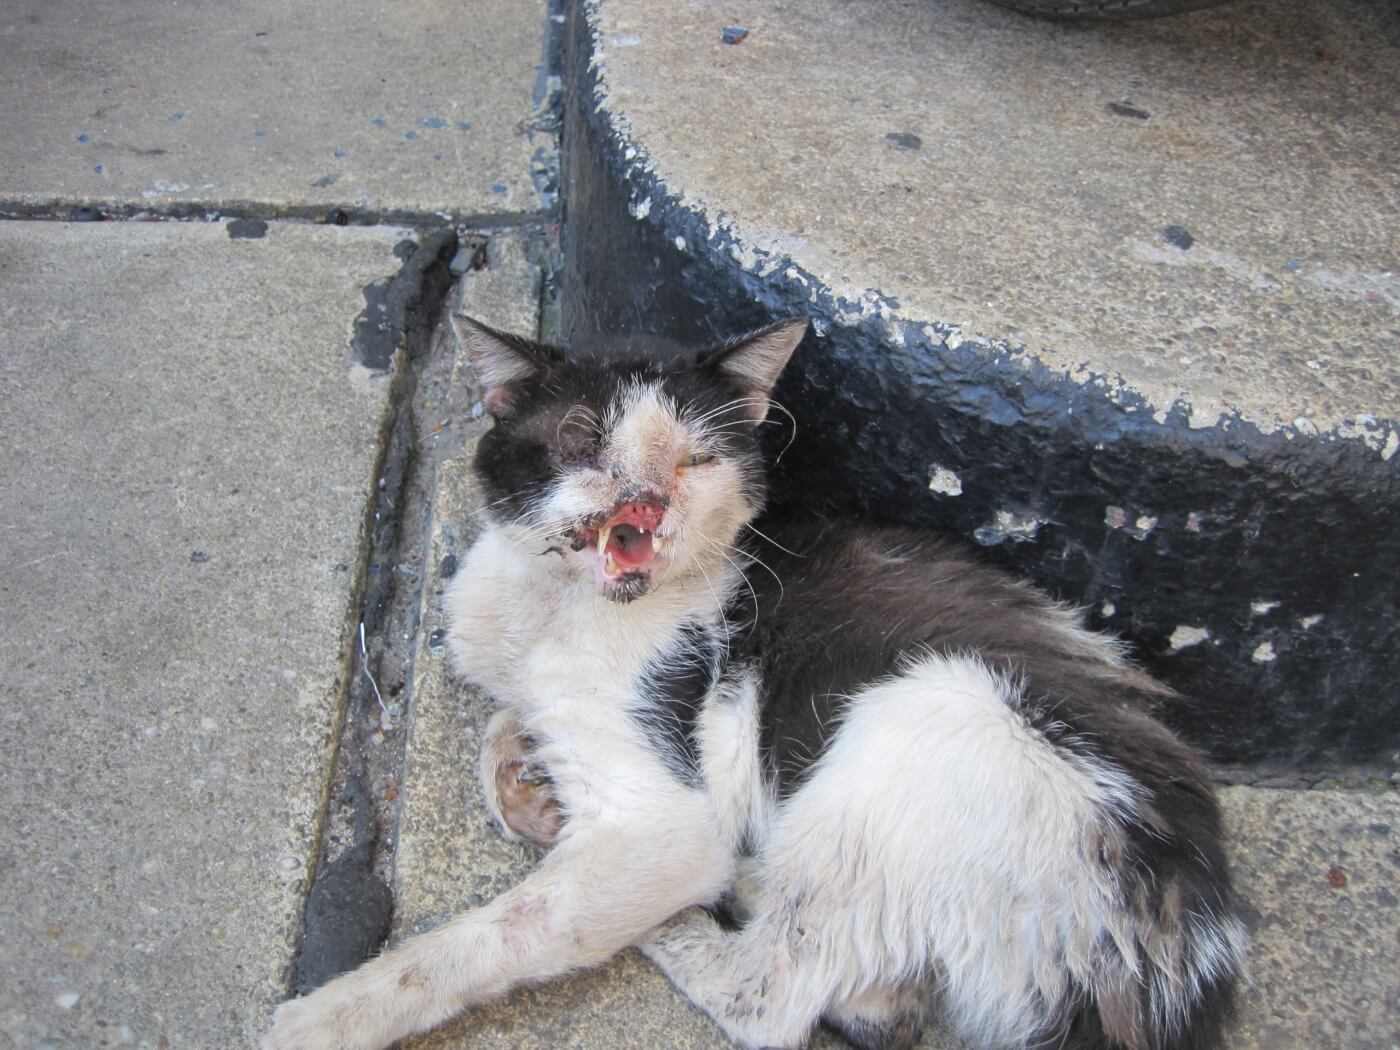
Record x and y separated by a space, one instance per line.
1256 572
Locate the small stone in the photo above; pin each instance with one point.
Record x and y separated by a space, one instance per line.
67 1000
904 140
288 864
1178 237
734 34
1336 877
461 262
1127 109
945 482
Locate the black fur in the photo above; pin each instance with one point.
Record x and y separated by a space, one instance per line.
840 608
542 433
670 695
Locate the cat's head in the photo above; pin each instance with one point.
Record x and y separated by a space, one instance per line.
636 465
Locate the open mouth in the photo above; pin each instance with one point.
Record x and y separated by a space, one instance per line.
625 544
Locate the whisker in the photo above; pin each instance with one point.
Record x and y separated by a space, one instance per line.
782 591
752 528
726 408
792 437
493 503
719 606
742 575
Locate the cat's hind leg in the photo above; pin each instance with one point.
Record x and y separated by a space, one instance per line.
759 984
887 1017
791 965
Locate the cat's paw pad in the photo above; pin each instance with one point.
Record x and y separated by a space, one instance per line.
527 801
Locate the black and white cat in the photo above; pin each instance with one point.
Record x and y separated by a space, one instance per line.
914 786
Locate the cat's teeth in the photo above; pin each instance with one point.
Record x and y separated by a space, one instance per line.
610 566
603 540
657 542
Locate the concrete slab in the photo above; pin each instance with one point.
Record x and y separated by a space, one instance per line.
1318 871
420 108
190 455
1203 209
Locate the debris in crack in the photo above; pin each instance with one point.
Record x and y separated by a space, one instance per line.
246 229
348 910
398 305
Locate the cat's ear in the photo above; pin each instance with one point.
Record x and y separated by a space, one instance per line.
755 361
504 363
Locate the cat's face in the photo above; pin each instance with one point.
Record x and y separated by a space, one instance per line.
633 468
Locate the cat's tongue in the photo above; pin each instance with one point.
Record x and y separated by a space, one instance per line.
629 547
628 542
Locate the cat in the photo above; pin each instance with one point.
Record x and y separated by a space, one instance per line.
826 774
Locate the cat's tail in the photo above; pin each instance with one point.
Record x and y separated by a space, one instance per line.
1172 986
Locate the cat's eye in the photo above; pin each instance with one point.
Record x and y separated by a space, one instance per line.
698 459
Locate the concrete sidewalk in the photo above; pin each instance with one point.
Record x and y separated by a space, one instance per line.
190 457
193 451
273 109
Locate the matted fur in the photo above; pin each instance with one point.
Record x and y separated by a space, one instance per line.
918 787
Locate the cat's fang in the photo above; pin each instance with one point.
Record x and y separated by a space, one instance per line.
610 566
657 543
603 542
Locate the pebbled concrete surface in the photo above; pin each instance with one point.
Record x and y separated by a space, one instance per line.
1037 184
1320 874
423 107
190 455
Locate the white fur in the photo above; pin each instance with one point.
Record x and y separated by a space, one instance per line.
937 835
731 764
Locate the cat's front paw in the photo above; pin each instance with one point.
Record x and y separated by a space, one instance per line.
299 1025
